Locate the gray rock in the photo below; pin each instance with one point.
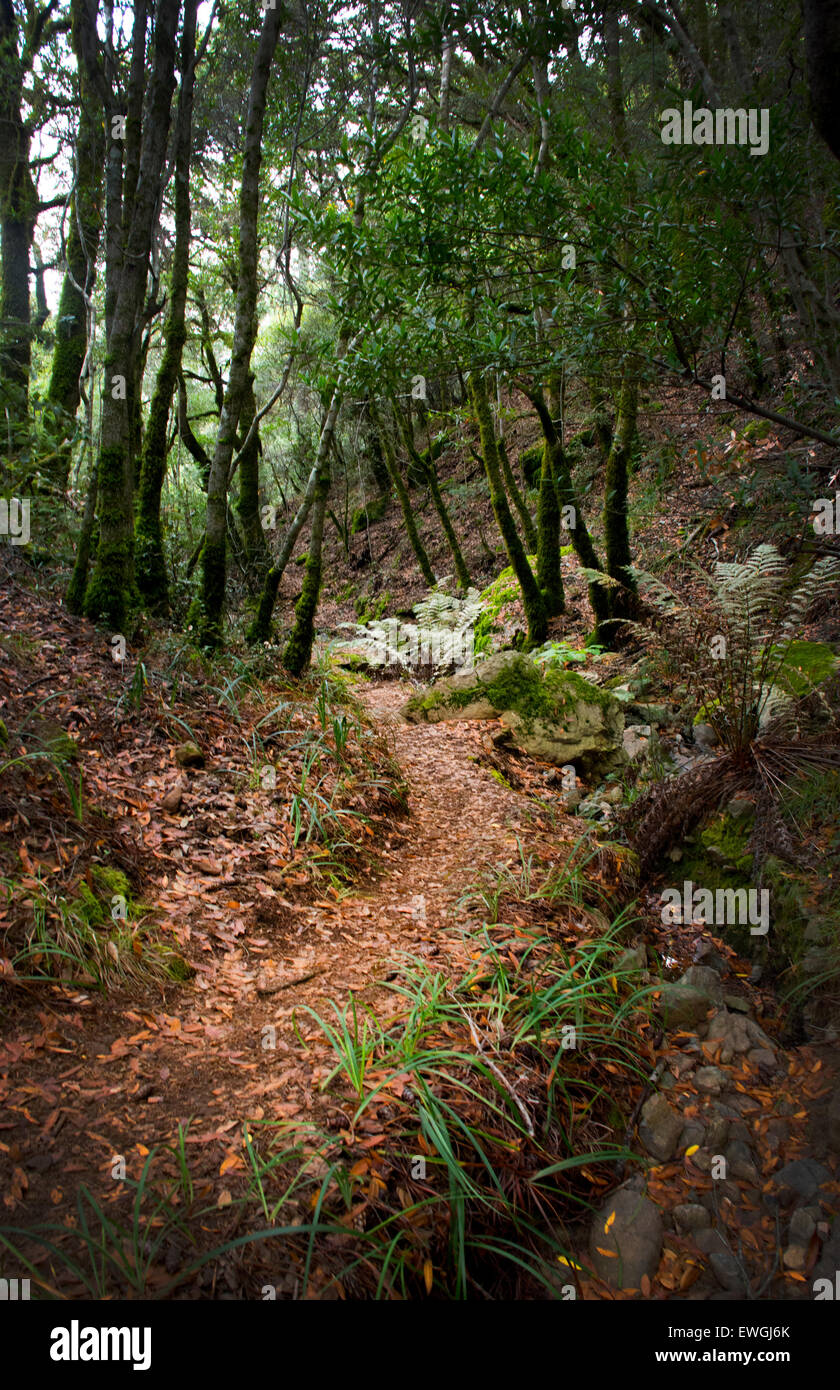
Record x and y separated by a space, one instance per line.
728 1272
575 721
573 798
705 736
690 1216
762 1058
710 1079
802 1226
740 1162
736 1003
711 1242
803 1177
740 806
633 1239
660 1128
693 1133
737 1034
717 1133
704 979
633 959
681 1006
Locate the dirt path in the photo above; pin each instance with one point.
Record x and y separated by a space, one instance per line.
115 1077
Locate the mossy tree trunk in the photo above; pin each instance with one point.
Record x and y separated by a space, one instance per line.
298 649
532 599
214 553
579 533
111 588
149 555
75 596
84 231
18 211
529 530
429 471
260 628
404 501
257 556
616 523
549 573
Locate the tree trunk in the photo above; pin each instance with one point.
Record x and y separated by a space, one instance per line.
405 503
85 230
214 555
429 471
257 556
18 209
298 649
623 600
150 559
532 599
112 588
566 496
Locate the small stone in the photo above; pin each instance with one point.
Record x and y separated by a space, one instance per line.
675 855
629 1227
660 1128
802 1226
704 979
761 1058
705 736
682 1006
710 1079
189 755
727 1271
740 806
740 1162
717 1133
795 1256
804 1176
690 1216
735 1002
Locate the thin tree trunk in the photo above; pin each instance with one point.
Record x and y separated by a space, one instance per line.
566 496
152 578
405 503
623 600
532 599
298 649
257 556
85 230
214 554
429 471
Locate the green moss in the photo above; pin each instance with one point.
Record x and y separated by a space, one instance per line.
805 665
521 688
730 838
369 515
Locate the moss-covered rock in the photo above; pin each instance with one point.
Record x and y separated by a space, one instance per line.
369 515
189 755
556 715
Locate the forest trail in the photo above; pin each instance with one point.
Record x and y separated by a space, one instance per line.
87 1078
130 1071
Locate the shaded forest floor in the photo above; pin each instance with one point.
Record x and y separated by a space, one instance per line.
441 862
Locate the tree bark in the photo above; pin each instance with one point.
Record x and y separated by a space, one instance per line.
111 590
532 599
214 555
152 578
